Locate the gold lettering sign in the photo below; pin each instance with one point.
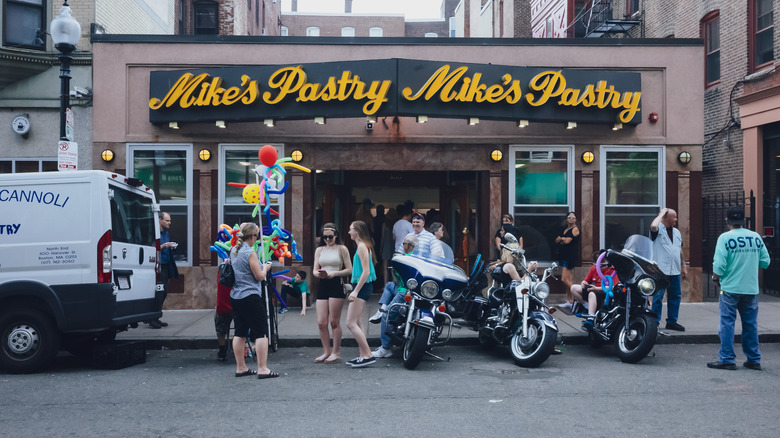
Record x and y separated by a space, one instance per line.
443 83
185 93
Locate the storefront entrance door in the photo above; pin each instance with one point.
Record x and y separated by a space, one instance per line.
456 217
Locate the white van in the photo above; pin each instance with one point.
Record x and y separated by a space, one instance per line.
78 262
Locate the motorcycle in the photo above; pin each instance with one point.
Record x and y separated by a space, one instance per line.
625 318
514 312
421 322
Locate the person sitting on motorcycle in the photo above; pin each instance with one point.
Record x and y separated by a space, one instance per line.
509 264
592 280
596 294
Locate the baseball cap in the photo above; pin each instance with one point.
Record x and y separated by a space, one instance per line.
735 216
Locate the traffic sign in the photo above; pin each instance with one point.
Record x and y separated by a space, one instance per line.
69 126
67 155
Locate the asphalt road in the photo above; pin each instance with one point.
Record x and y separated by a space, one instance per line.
582 393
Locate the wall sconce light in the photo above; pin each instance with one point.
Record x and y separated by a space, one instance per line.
684 158
107 155
422 119
588 157
571 125
617 126
297 155
269 123
173 125
221 124
522 123
204 154
371 119
496 155
473 121
319 120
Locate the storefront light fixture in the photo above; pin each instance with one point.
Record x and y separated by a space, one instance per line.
371 119
297 155
269 123
319 120
588 157
684 158
496 155
422 119
107 155
571 125
473 121
221 124
204 154
522 123
617 126
173 125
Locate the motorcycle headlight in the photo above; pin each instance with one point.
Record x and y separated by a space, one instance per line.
411 284
646 286
449 295
542 290
429 289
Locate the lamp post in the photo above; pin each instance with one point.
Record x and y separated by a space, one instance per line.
65 31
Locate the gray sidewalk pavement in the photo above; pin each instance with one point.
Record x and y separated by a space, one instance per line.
194 329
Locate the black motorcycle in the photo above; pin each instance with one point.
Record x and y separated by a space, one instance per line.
624 317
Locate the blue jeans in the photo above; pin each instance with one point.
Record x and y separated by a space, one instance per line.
673 301
747 305
388 293
393 313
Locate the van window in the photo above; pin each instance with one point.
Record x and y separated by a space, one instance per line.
132 218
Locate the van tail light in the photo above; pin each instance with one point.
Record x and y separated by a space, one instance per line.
104 256
157 263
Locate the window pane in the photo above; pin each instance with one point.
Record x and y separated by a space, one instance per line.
5 167
164 171
49 166
178 230
538 227
622 222
375 32
764 49
347 31
764 14
713 35
132 218
632 178
713 67
27 166
21 23
543 181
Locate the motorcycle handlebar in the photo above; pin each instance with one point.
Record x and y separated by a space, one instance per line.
513 250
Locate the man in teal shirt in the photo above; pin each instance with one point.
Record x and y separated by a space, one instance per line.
738 255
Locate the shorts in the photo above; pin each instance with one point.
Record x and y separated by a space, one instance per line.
568 264
365 293
249 315
330 288
600 296
222 323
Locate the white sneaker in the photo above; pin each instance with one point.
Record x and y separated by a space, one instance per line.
377 318
382 352
565 305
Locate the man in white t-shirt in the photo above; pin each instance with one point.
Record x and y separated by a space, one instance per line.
427 242
402 227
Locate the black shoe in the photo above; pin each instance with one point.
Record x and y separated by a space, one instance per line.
722 365
154 324
222 353
674 326
162 324
752 365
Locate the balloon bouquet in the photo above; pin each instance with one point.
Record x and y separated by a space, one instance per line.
275 240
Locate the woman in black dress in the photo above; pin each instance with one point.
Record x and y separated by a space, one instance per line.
567 254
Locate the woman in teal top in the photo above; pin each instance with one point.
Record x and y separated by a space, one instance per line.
363 275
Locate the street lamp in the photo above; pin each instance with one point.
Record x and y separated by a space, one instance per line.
65 31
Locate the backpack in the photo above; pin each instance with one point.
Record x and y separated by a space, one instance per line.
227 277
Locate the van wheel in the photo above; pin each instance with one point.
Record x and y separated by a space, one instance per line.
29 340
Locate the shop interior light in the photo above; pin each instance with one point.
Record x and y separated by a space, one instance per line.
107 155
684 158
297 155
496 155
173 125
571 125
588 157
204 154
221 124
245 163
617 126
269 123
522 123
422 119
473 121
319 120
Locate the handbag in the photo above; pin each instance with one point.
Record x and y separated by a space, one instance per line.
227 277
347 288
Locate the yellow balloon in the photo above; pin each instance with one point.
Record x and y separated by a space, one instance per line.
252 193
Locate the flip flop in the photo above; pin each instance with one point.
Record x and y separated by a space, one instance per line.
246 373
557 351
333 359
320 359
270 375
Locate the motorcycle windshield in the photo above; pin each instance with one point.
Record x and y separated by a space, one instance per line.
430 267
637 252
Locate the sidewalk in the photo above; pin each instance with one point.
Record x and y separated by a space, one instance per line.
194 329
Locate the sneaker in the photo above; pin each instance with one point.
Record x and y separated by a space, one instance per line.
361 362
382 352
752 365
722 365
154 324
565 306
587 324
222 353
377 318
283 310
674 326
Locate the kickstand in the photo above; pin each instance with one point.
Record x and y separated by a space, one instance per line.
437 357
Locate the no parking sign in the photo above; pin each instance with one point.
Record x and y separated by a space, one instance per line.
67 155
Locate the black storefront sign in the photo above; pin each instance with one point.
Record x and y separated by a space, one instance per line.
394 87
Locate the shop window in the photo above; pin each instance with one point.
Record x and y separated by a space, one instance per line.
206 18
167 169
313 31
631 192
710 28
375 32
27 165
237 165
761 34
21 21
347 31
541 190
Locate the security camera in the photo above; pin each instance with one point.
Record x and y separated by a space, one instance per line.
369 126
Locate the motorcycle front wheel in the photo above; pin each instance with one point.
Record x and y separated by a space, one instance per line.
533 350
633 345
415 346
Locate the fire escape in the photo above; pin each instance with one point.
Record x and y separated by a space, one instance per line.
599 21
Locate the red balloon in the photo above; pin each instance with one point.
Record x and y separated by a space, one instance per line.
268 155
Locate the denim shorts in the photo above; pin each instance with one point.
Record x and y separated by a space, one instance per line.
365 293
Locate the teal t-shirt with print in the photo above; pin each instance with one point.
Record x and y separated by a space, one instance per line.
738 255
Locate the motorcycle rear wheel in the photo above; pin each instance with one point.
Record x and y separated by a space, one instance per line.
634 345
532 352
415 346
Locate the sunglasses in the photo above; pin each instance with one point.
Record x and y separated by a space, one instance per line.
328 236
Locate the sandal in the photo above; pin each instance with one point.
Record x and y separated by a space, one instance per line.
557 350
246 373
321 359
270 375
333 359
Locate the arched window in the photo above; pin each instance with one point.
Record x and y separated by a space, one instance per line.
431 35
347 31
375 32
284 31
313 31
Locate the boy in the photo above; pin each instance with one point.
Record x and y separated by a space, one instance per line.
297 288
